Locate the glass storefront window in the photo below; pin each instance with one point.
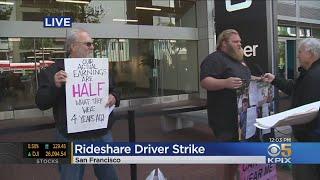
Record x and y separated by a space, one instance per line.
308 32
141 68
6 10
316 33
18 82
287 31
281 70
146 68
20 61
180 13
304 32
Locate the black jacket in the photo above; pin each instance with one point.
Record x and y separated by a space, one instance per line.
222 104
304 90
49 96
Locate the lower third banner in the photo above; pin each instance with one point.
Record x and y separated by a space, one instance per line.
195 153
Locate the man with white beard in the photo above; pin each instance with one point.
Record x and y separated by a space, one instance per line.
52 94
222 73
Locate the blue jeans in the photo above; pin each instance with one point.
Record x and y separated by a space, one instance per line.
76 171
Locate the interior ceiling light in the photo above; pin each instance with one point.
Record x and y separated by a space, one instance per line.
71 1
52 48
6 3
147 8
32 57
37 53
59 52
14 39
125 20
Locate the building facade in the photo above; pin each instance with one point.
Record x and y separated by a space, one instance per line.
297 19
154 47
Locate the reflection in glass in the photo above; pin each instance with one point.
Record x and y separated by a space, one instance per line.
6 9
163 3
287 31
146 68
308 32
316 33
141 68
164 21
177 63
20 61
281 71
18 78
304 32
178 13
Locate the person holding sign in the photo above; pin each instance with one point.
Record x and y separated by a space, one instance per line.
52 94
222 73
304 90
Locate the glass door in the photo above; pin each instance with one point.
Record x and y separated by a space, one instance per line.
21 59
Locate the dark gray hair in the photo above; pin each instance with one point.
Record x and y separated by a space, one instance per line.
312 45
72 37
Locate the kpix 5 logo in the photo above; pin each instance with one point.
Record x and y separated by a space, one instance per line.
238 6
280 153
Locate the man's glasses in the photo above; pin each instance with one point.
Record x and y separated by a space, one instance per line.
89 44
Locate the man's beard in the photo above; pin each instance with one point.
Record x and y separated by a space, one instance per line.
83 54
90 55
235 53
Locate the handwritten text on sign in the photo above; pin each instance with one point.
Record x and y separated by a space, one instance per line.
87 89
258 171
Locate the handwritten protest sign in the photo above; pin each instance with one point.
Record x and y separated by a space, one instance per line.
258 171
87 89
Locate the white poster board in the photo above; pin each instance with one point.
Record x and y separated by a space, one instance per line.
251 117
299 115
87 89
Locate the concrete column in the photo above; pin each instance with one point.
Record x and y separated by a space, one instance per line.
206 33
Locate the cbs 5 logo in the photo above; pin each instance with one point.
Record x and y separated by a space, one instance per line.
274 150
235 7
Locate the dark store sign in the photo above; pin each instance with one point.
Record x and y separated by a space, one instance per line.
249 18
57 22
237 6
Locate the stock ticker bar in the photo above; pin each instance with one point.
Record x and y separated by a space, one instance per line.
34 153
46 152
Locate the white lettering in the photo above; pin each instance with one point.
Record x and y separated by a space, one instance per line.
235 7
46 22
66 22
190 149
150 149
78 148
58 21
249 51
